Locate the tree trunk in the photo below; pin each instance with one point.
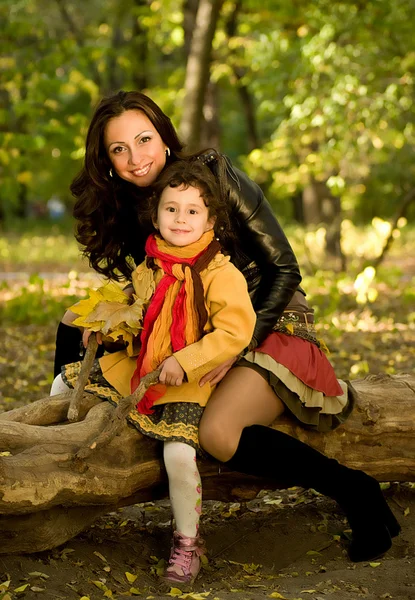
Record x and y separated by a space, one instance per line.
210 126
56 477
245 95
197 72
320 206
139 48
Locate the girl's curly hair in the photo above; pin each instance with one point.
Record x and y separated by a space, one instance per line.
193 172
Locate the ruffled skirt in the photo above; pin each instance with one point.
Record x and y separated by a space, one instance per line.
303 379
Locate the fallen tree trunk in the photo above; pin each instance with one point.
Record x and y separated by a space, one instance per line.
55 479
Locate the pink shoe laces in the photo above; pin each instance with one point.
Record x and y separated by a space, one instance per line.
181 558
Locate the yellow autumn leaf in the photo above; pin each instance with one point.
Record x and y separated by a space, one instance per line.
85 598
130 577
143 282
375 564
100 585
5 453
5 585
194 596
101 556
175 592
112 314
276 595
21 588
111 292
134 591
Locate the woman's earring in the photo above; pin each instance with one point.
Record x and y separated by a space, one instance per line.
110 173
167 151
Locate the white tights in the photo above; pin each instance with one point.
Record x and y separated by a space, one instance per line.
185 486
58 386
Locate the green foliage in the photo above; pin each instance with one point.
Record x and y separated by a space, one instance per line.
38 242
331 86
335 86
34 305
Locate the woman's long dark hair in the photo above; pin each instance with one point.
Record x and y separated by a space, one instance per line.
107 208
112 214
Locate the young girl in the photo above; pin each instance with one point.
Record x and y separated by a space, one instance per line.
198 316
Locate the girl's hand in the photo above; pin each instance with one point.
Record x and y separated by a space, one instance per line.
217 374
86 334
171 372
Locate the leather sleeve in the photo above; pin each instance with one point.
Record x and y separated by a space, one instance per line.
263 239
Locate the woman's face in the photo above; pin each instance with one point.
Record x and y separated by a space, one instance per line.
135 148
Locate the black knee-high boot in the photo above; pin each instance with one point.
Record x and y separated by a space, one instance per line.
68 347
265 452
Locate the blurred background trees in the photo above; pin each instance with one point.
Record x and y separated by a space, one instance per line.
314 99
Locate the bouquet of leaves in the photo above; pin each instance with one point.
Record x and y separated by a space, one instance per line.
112 312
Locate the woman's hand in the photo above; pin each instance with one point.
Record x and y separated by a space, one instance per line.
217 374
128 290
86 335
171 372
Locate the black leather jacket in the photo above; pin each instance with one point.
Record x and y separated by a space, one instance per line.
266 259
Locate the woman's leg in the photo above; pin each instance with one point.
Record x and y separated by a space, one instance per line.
68 343
268 453
243 398
185 489
69 347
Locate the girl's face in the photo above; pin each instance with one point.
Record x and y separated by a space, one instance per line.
135 148
182 216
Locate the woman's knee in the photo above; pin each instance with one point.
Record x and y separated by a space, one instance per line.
69 317
217 439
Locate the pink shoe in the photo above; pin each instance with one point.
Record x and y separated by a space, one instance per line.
184 563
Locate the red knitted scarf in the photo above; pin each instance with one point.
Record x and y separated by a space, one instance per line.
181 269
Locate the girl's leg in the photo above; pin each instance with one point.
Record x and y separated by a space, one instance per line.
243 398
185 486
265 452
185 490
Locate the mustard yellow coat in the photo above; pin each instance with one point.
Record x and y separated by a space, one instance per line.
230 326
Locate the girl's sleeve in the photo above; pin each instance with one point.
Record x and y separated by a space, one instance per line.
233 320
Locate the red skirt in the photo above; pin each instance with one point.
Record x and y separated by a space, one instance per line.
303 378
304 359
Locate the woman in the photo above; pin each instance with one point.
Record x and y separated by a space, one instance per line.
129 143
